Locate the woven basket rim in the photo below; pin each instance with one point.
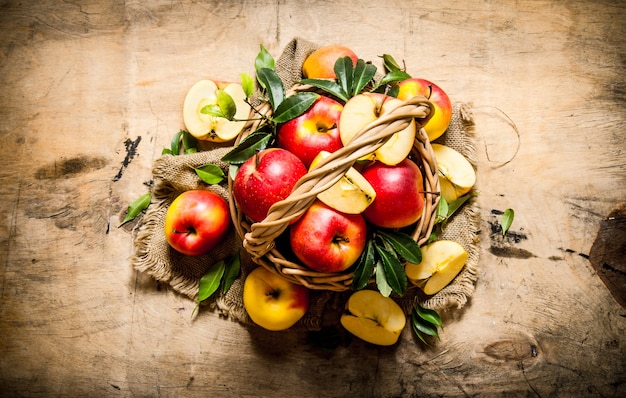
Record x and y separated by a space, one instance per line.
259 237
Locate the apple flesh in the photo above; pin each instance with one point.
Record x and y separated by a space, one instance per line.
313 131
442 112
456 173
196 222
273 302
374 318
211 128
365 108
399 194
320 64
326 240
266 178
442 260
352 194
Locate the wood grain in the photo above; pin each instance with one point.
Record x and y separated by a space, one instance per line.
92 91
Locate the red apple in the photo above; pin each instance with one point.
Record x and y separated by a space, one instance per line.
313 131
327 240
196 222
440 120
399 194
264 179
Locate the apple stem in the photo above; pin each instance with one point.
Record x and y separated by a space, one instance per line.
274 293
338 239
188 231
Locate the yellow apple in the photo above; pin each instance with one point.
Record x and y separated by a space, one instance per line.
365 108
456 174
442 260
211 128
273 302
373 317
351 194
320 64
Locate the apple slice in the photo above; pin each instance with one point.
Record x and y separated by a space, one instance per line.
363 109
352 194
373 317
456 174
442 260
212 128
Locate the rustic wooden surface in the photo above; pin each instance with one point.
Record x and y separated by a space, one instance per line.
92 91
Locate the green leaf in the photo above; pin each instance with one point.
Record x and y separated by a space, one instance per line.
210 282
166 151
273 86
263 60
135 208
394 271
363 74
344 71
247 148
233 268
190 143
381 280
507 220
212 110
329 86
247 83
226 104
442 210
390 63
175 144
365 267
294 106
403 244
456 204
210 173
423 326
428 315
394 76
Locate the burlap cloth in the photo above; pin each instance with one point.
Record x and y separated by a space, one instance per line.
173 175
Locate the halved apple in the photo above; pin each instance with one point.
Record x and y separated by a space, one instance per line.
442 260
211 128
456 174
365 108
373 317
352 194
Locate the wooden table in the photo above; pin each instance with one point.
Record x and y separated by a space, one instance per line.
92 91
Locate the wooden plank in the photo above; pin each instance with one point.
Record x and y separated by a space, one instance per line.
93 91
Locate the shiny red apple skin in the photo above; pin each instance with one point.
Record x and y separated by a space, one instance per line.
440 120
327 240
313 131
264 179
196 222
399 194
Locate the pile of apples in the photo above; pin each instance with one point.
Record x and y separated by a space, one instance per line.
384 189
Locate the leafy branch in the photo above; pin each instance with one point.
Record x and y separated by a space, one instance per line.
383 255
424 322
220 276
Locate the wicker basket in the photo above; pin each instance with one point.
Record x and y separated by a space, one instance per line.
259 238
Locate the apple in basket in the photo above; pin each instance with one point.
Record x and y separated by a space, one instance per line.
365 108
273 302
327 240
442 115
373 317
266 178
399 194
320 64
313 131
211 128
196 222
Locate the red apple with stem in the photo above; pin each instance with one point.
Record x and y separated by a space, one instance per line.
264 179
313 131
196 222
442 114
327 240
399 194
